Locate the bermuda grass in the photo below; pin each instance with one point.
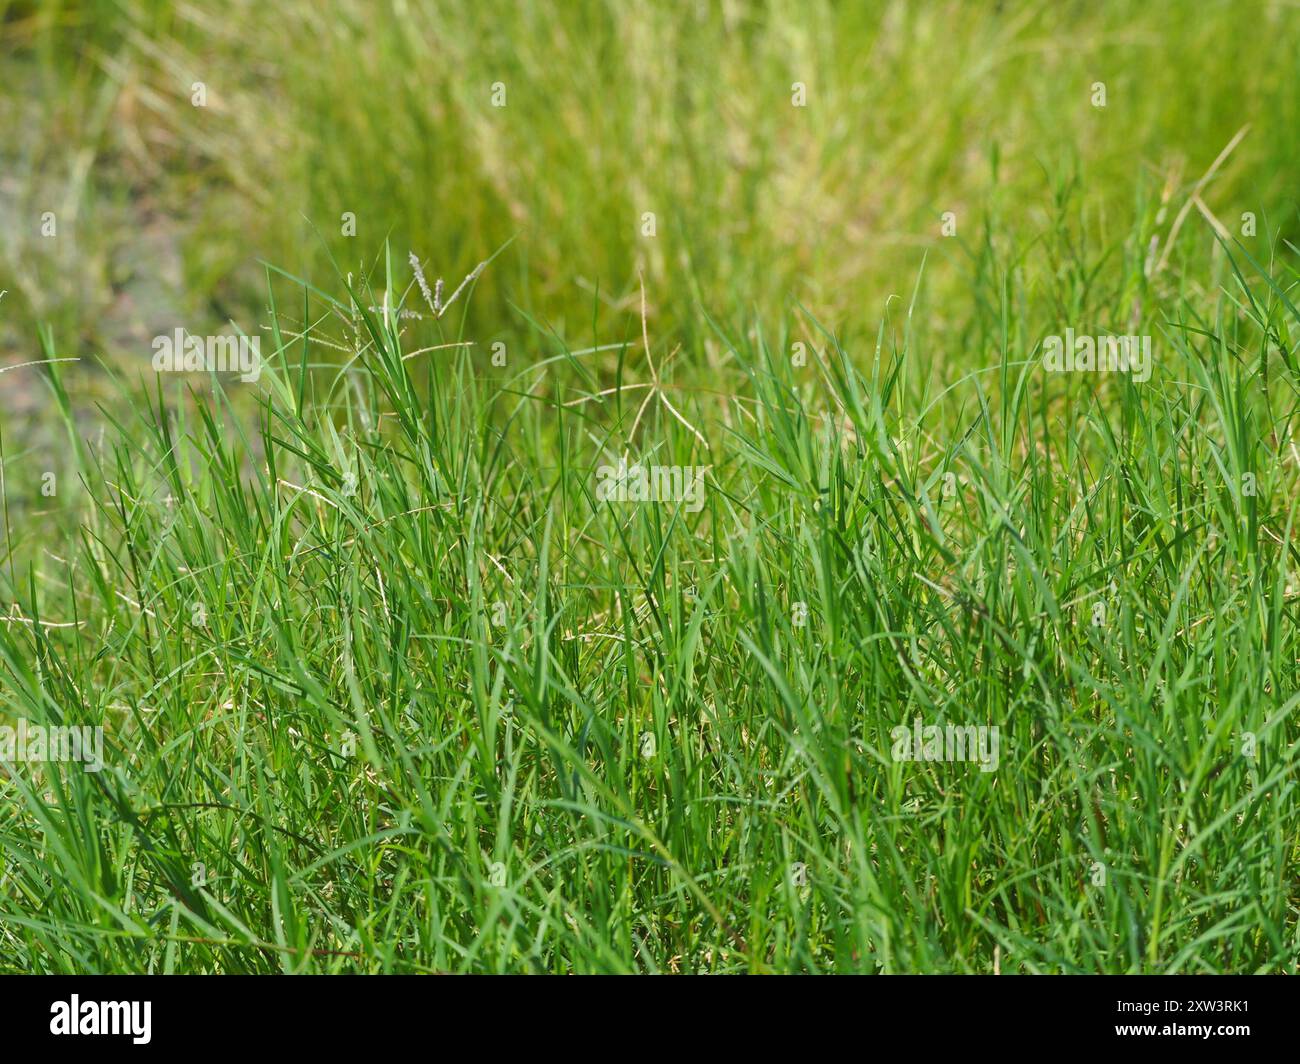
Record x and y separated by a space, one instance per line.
388 684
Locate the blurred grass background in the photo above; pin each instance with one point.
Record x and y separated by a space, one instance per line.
611 110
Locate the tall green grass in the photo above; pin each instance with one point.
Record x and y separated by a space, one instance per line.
387 688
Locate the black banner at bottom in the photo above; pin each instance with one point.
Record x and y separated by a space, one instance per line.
338 1013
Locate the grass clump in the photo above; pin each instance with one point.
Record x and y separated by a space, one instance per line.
387 685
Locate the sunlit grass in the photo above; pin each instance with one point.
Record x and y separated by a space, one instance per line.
387 685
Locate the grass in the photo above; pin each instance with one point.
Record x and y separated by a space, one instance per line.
386 685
